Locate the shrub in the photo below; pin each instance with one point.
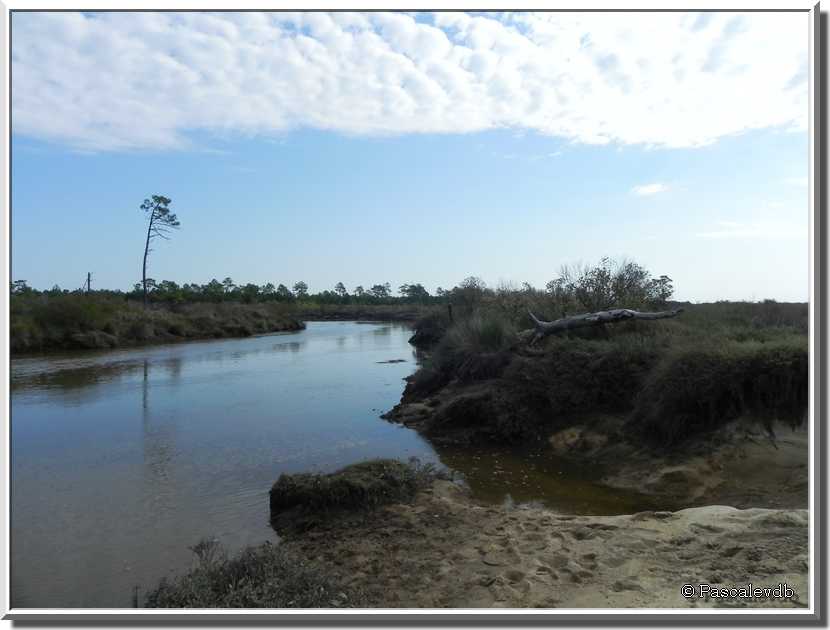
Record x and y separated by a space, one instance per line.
473 348
697 390
575 378
267 576
430 328
360 486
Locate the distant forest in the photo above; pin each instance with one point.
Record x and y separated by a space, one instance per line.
599 286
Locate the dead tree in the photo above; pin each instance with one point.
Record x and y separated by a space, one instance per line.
543 329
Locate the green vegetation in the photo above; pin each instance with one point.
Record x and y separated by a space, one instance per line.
402 312
664 381
267 576
295 499
49 321
473 348
695 390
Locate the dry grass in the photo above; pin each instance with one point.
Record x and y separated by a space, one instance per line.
70 321
267 576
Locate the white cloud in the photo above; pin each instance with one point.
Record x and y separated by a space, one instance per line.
115 81
649 189
763 229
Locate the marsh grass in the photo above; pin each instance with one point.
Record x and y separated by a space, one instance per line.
264 576
77 320
473 348
667 380
695 390
361 486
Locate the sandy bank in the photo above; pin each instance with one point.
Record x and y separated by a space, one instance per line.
446 550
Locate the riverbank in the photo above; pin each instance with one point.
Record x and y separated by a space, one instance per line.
739 516
406 313
446 550
383 534
705 416
73 322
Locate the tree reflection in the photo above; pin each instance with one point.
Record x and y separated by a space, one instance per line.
158 447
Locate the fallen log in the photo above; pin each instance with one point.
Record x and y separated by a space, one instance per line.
542 329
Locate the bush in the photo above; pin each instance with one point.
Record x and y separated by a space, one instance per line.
267 576
430 328
575 379
360 486
695 391
473 348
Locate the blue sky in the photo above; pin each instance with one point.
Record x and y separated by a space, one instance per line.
429 171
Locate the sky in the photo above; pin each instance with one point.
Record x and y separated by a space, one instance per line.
397 147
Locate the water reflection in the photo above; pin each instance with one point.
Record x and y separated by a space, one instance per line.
122 460
173 367
156 434
157 445
70 378
502 475
288 346
77 379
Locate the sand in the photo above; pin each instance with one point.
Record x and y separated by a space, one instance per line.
445 550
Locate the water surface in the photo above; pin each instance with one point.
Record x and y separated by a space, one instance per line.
121 460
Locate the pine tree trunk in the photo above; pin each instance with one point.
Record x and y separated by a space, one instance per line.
146 253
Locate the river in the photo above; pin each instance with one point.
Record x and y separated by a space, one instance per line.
122 460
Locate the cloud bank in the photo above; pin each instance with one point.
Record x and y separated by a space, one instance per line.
118 81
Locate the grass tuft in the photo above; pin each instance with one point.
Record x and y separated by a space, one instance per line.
265 576
361 486
473 348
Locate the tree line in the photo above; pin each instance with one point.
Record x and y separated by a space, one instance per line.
168 291
591 288
605 285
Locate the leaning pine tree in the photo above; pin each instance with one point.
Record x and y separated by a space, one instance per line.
160 223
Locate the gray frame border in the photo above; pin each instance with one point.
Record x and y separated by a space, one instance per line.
818 311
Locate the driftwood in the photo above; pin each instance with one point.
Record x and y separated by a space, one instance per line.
600 318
